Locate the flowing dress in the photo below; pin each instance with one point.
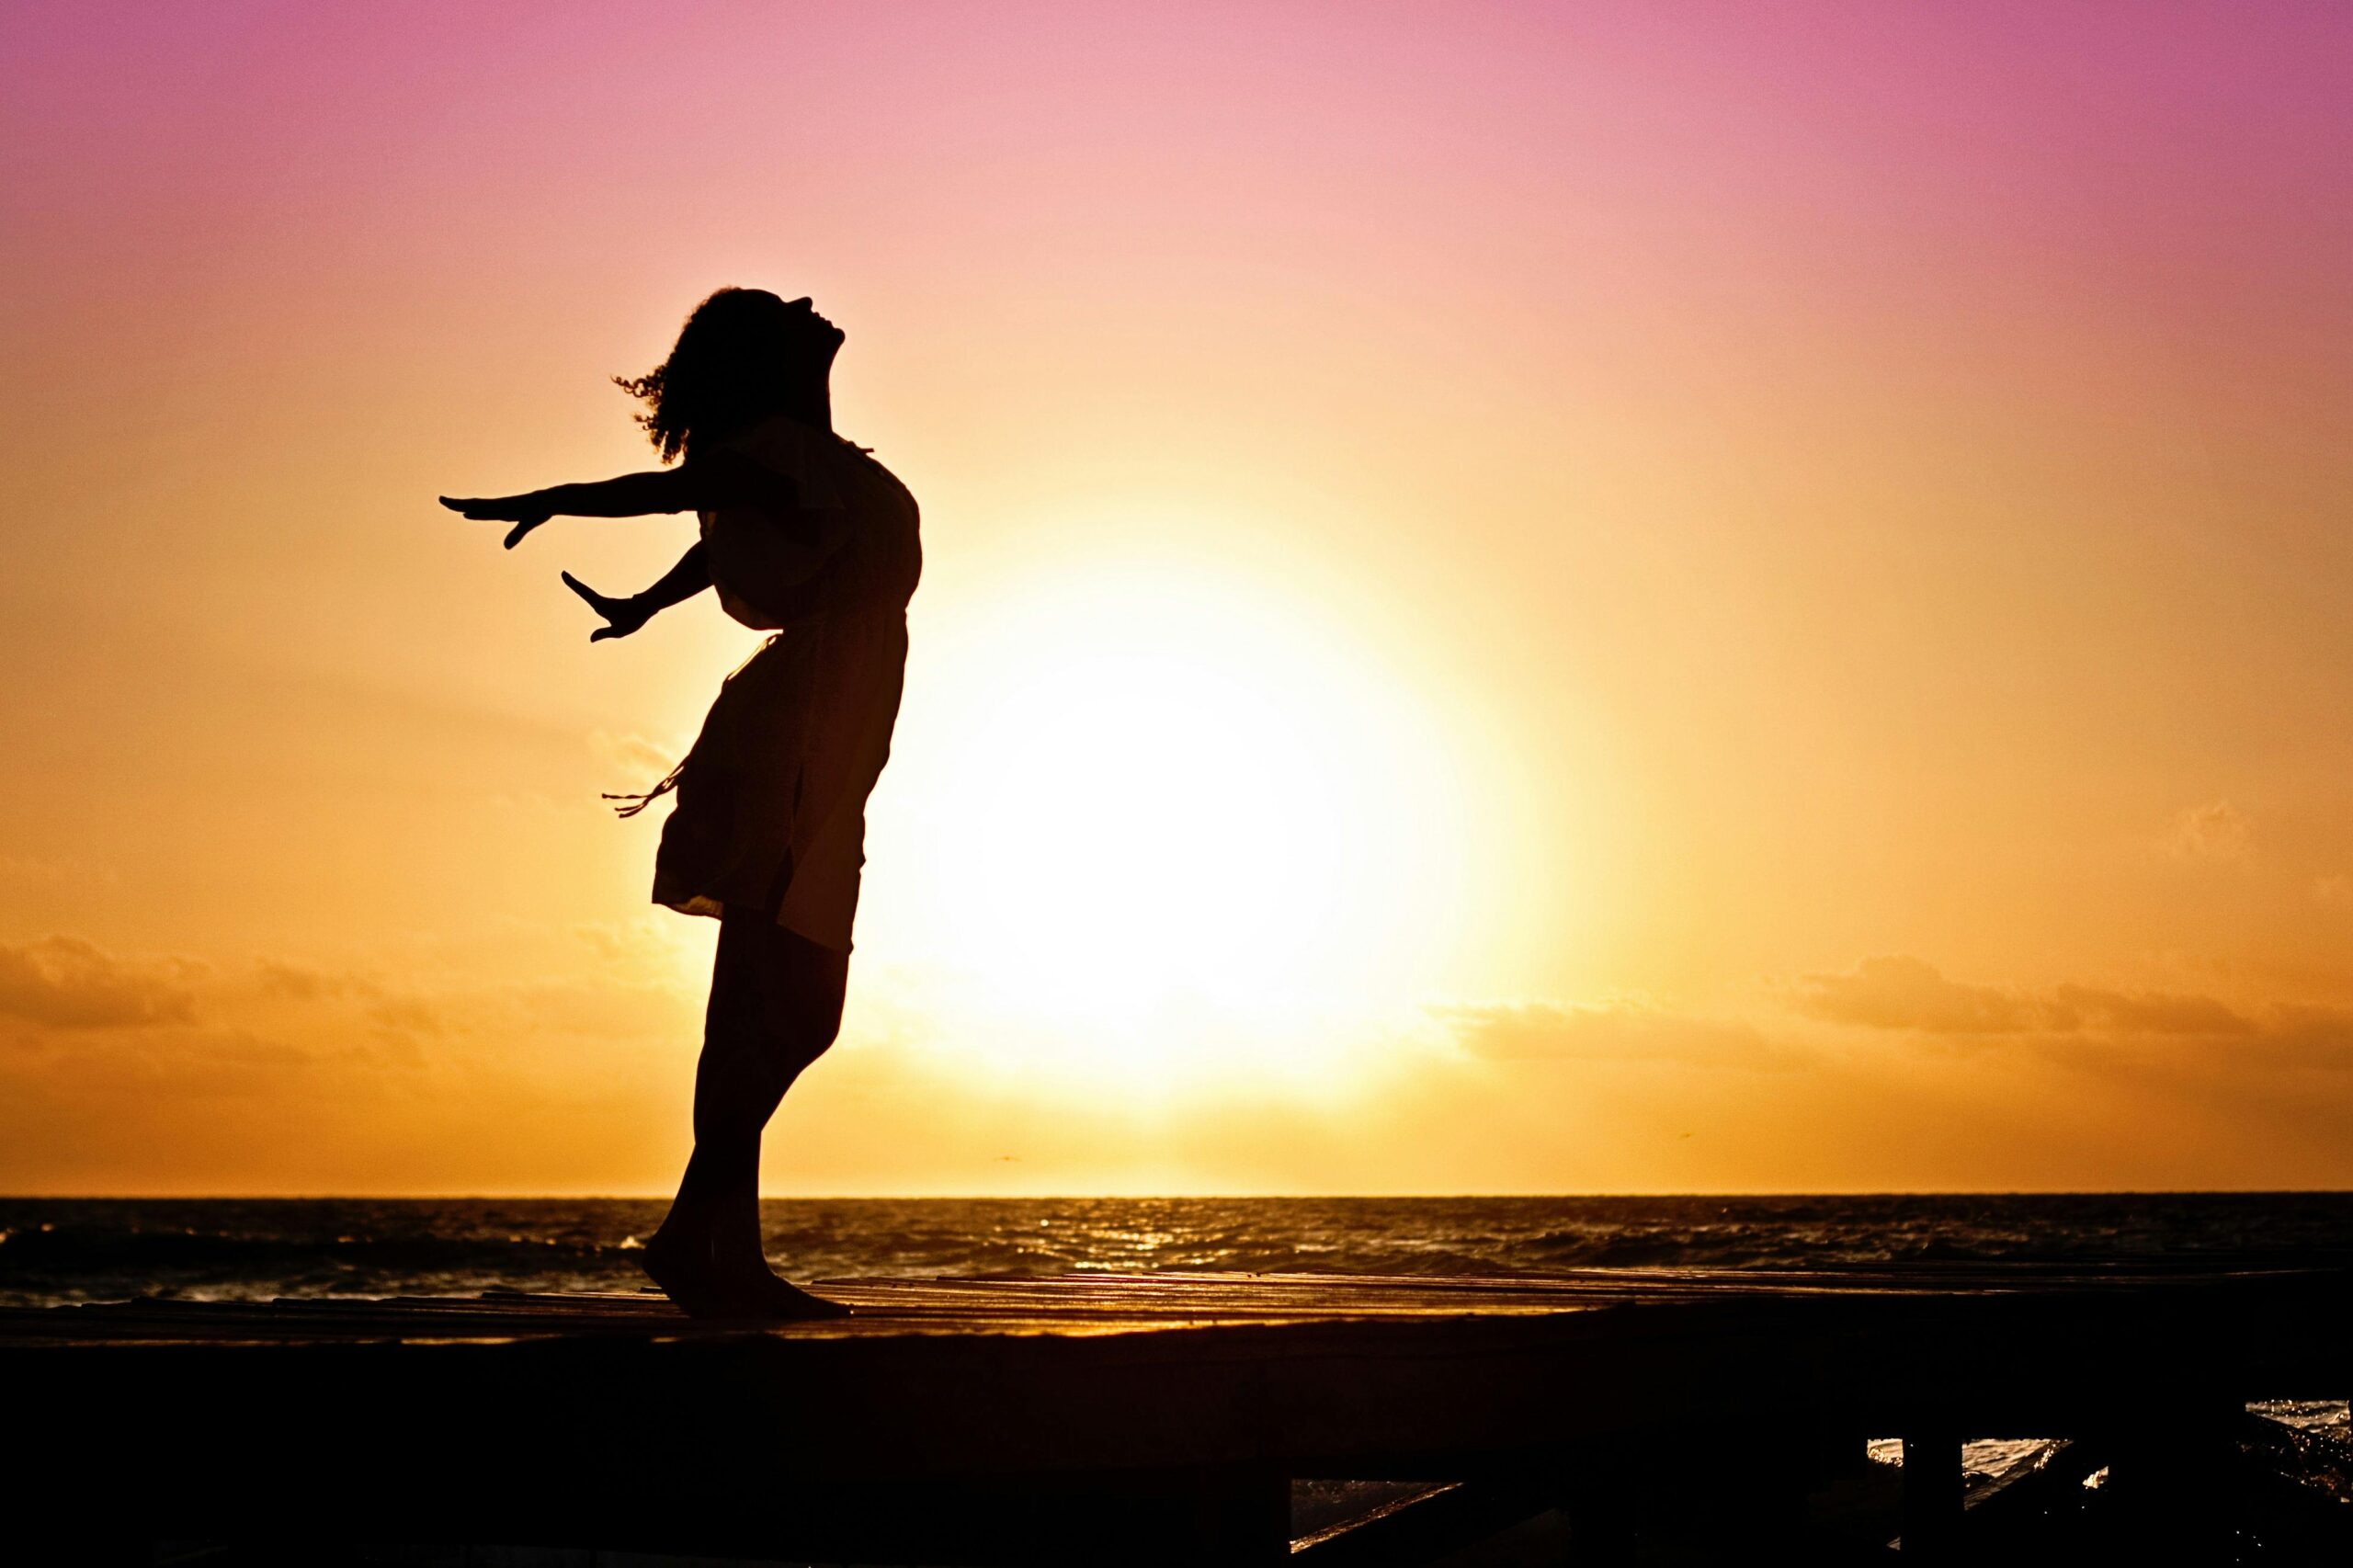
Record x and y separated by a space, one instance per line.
771 800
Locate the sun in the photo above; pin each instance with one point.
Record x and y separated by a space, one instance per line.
1168 821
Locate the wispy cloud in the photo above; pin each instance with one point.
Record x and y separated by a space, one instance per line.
634 754
68 983
2214 831
1547 1031
308 982
1906 994
2314 1036
2145 1013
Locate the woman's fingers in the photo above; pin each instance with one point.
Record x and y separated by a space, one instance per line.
620 618
498 509
617 626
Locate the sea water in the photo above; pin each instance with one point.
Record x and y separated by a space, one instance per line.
62 1250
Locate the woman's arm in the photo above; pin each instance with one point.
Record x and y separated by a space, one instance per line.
630 496
690 577
724 479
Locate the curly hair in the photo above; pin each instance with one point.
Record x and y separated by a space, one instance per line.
736 359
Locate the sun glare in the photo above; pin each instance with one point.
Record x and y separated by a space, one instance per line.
1172 820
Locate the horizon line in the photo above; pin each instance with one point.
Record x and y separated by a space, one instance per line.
1172 1197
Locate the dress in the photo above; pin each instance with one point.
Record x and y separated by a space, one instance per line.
771 800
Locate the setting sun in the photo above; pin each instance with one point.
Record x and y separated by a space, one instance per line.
1166 814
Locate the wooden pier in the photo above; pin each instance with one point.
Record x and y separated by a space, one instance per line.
1105 1418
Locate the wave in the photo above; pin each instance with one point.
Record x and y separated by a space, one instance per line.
99 1249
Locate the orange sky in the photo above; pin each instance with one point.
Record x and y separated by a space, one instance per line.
1592 598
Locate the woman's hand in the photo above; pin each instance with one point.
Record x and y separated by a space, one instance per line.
525 512
621 616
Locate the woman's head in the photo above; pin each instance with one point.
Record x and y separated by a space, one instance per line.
743 355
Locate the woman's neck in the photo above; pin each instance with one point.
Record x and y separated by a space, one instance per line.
815 409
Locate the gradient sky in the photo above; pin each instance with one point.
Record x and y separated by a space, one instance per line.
1592 598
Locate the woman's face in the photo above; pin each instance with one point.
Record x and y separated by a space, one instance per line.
805 328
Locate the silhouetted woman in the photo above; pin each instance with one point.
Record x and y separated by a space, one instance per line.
806 536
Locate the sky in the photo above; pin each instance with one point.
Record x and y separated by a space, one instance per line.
1518 599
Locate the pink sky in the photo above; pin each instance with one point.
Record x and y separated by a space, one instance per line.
1819 520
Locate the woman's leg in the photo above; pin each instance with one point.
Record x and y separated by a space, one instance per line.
780 1007
776 1004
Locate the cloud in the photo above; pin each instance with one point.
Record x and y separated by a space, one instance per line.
649 948
2314 1036
1545 1031
1903 992
2152 1012
605 1007
67 983
606 1001
1907 994
2215 831
304 983
399 1015
407 1016
634 754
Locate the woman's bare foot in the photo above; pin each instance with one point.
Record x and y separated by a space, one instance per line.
757 1292
689 1278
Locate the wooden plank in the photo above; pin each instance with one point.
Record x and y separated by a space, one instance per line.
605 1419
1932 1490
2173 1452
2010 1514
1425 1525
1849 1359
1602 1364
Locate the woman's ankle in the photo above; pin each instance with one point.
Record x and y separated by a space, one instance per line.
676 1240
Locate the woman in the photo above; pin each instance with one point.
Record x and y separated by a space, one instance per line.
806 536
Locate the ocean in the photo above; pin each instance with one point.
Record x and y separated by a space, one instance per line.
54 1251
